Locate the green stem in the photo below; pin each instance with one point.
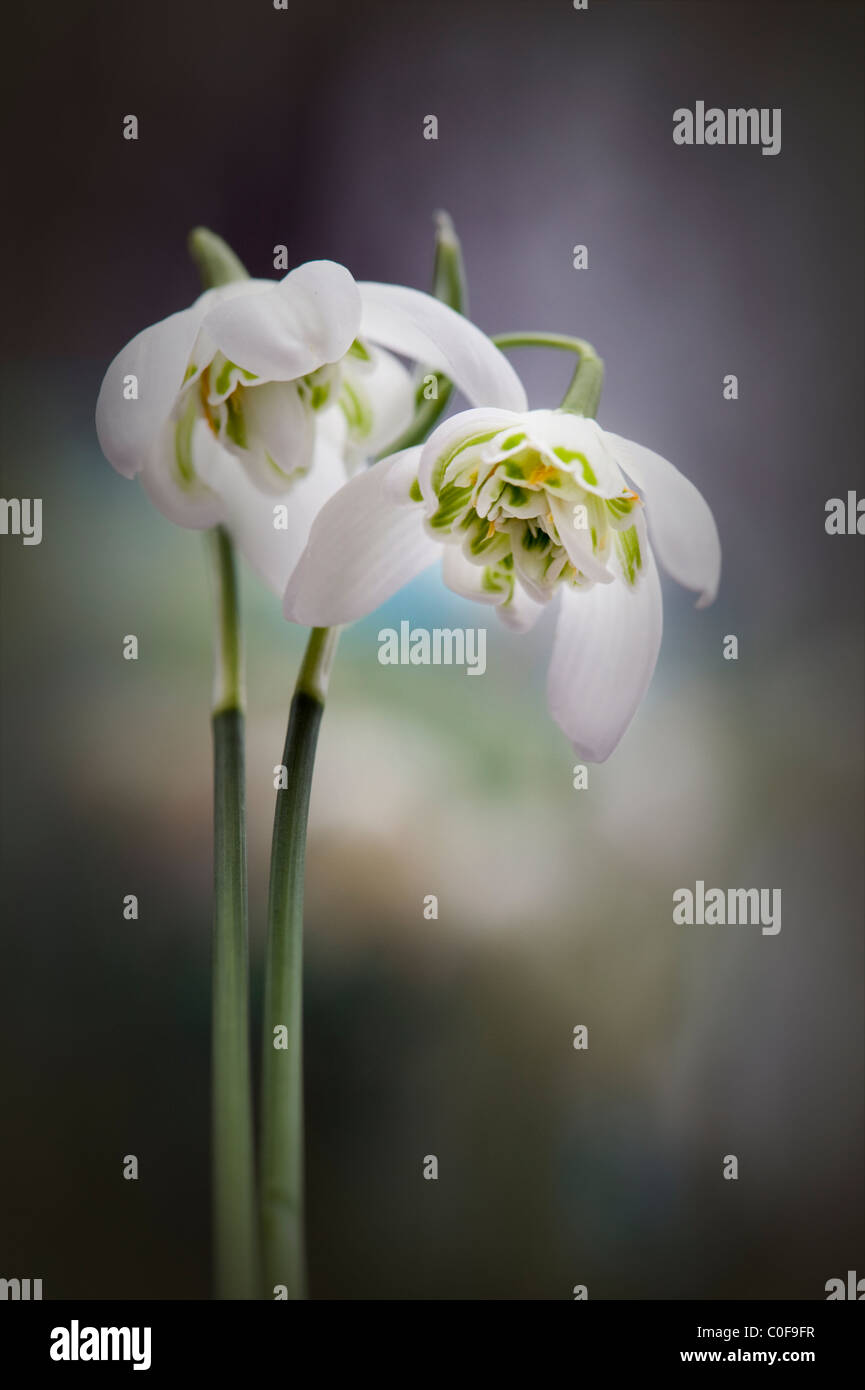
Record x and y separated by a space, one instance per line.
584 393
449 285
282 1141
235 1235
217 263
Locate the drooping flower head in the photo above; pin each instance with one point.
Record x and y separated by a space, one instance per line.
522 507
294 382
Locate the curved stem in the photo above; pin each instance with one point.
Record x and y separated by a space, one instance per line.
235 1235
584 393
449 286
282 1141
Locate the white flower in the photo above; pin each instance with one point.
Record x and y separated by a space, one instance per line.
521 507
266 391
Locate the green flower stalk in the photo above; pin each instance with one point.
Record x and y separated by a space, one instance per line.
235 1234
282 1132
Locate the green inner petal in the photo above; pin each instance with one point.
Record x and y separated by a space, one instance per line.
630 554
184 466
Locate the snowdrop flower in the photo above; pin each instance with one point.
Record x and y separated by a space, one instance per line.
522 507
266 392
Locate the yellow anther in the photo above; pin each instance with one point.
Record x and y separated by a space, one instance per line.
541 473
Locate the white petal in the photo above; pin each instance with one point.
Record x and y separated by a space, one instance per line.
515 608
418 326
250 515
366 543
468 424
280 435
521 612
559 433
157 357
385 396
681 524
185 499
577 541
466 579
604 654
309 318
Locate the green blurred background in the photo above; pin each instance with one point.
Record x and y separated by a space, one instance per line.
450 1037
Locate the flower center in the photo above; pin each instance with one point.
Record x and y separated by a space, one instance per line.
536 513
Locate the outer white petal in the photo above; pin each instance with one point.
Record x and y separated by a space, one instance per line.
464 426
249 514
308 318
280 435
157 357
681 524
604 654
366 543
418 326
193 504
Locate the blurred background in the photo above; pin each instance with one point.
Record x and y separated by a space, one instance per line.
450 1037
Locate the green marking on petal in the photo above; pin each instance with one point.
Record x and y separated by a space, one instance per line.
630 554
189 373
513 441
360 351
356 411
275 468
484 541
442 463
534 539
494 582
184 466
223 381
414 491
235 425
620 507
452 503
568 456
520 466
223 377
